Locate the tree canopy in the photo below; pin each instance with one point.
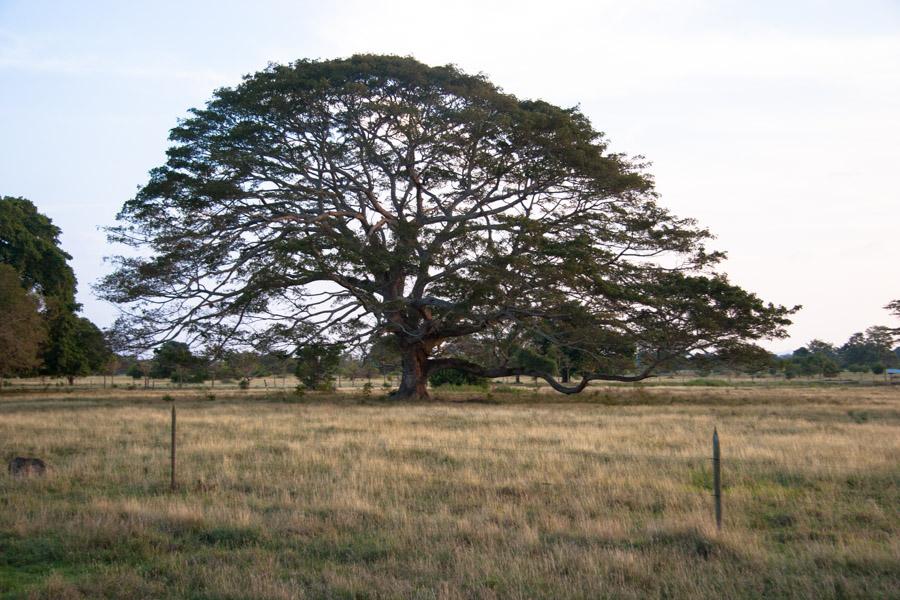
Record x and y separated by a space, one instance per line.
29 242
356 200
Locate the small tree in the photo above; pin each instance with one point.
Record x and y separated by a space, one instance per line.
317 365
790 370
830 368
135 370
76 348
175 361
245 365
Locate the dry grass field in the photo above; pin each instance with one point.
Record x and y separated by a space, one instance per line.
513 496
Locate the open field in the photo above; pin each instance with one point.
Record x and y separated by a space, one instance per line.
517 496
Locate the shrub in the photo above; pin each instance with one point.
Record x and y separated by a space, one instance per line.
244 384
790 371
452 376
317 365
830 368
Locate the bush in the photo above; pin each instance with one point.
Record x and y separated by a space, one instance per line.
453 376
244 384
877 369
317 365
830 368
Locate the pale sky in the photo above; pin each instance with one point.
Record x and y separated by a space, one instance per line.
775 124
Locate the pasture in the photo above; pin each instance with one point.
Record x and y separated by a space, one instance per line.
605 495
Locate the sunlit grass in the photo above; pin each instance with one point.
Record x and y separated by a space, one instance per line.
506 496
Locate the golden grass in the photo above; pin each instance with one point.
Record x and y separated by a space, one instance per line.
605 497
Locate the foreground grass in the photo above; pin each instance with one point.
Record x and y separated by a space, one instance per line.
608 497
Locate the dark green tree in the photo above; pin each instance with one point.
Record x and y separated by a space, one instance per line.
874 347
29 242
135 370
830 368
346 200
451 376
317 365
76 347
175 361
823 349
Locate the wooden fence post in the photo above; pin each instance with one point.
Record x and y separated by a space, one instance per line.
717 478
173 447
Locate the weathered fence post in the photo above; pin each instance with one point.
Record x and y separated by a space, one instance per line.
173 447
717 478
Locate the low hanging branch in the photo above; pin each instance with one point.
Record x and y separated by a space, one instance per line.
377 199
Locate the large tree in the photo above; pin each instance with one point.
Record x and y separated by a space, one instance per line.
29 242
348 201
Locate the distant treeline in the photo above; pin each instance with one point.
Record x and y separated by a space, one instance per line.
870 351
319 366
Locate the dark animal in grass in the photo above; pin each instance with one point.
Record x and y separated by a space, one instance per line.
21 466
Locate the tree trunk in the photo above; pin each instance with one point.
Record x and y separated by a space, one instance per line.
414 376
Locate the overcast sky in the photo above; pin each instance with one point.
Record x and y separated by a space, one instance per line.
775 124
